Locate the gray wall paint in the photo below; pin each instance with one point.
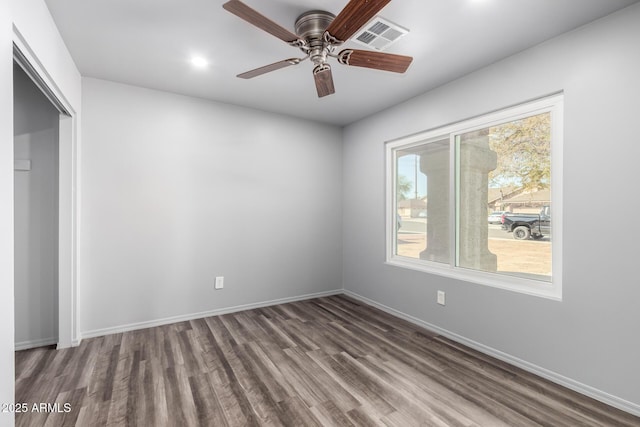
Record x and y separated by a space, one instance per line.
36 213
592 335
177 190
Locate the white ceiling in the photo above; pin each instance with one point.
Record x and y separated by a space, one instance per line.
149 43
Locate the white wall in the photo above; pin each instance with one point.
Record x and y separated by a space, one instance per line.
35 215
591 336
6 213
177 191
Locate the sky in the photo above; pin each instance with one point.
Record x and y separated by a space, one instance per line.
407 168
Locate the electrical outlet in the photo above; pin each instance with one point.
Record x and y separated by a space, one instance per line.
441 297
219 282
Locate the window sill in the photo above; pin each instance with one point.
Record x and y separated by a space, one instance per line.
548 290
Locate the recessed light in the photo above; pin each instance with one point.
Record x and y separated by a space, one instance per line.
199 62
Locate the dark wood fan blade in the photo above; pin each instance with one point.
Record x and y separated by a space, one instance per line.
253 17
354 15
324 80
268 68
376 60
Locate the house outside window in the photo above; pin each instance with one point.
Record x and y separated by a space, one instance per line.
480 200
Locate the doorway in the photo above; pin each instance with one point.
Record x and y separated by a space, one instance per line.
65 295
36 159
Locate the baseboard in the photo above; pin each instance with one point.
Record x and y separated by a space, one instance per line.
200 315
25 345
73 343
579 387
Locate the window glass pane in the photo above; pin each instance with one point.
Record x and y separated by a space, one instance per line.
422 201
504 198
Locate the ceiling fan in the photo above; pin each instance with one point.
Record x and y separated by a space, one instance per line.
317 35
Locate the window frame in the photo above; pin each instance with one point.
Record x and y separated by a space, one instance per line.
554 105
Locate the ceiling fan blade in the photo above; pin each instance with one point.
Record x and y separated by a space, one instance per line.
268 68
376 60
354 15
324 80
253 17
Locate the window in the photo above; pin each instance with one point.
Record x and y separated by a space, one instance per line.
475 200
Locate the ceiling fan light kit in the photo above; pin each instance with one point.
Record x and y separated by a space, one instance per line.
317 34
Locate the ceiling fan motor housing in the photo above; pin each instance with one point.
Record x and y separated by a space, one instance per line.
310 26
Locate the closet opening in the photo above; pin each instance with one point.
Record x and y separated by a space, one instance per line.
40 121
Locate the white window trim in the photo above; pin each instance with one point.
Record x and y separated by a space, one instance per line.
552 290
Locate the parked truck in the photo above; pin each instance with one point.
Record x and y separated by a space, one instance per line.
525 226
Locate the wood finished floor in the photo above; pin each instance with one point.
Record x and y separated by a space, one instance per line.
321 362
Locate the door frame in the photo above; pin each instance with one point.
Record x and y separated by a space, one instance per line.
68 192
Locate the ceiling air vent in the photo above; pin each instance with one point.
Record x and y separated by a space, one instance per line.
379 33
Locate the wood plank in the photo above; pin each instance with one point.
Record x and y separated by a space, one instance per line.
330 415
208 408
296 413
325 384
